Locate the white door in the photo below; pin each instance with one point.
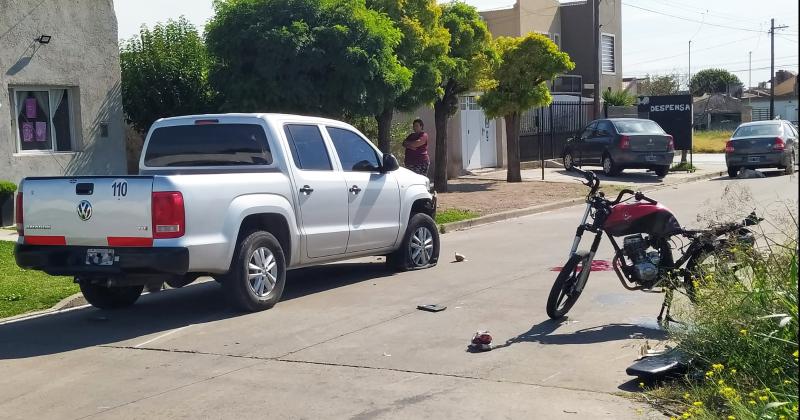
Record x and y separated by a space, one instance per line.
321 192
373 197
488 143
478 136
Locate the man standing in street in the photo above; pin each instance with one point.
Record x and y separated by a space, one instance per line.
416 145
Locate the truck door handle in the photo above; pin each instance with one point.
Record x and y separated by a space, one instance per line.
306 190
355 189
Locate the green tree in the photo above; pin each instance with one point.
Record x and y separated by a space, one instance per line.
518 83
164 73
713 81
423 50
618 98
659 85
320 57
470 53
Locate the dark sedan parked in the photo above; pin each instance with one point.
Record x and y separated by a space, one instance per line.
762 144
621 143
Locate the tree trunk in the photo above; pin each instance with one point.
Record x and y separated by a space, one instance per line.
440 164
385 130
512 147
683 156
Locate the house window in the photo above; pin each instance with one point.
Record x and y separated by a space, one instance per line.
607 50
556 39
43 118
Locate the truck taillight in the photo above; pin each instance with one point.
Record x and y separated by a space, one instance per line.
18 215
729 146
168 215
671 144
624 142
779 144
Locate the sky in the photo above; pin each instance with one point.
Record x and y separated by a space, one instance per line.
655 33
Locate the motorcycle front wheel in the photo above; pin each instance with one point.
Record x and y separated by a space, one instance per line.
563 294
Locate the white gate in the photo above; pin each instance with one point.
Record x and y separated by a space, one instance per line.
478 136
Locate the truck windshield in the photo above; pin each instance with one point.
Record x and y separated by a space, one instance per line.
758 130
638 127
208 145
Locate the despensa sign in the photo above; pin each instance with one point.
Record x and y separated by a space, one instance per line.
670 107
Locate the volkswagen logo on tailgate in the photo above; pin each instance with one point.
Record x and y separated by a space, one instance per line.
85 210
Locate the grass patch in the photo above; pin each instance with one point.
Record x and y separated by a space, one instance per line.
683 167
743 335
712 141
24 291
454 215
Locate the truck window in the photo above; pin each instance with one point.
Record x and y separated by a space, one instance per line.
354 152
308 147
208 145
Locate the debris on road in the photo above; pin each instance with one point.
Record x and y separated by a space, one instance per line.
750 173
431 308
481 341
460 258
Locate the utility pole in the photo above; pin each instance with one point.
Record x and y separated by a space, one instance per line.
689 83
772 67
749 69
598 57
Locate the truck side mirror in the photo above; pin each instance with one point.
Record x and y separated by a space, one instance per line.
390 163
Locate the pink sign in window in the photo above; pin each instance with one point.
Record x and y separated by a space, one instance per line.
30 108
41 131
27 131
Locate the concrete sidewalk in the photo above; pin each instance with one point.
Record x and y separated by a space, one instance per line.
709 166
8 235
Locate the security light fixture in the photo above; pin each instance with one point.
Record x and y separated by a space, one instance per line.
43 39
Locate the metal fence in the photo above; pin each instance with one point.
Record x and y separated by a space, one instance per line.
544 131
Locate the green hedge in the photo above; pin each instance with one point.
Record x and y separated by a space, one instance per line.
7 188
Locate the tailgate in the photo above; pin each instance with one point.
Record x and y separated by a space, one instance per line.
649 143
88 211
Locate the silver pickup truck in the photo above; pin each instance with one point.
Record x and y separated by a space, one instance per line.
238 197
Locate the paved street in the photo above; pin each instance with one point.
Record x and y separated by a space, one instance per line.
347 341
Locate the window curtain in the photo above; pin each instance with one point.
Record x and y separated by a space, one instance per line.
60 120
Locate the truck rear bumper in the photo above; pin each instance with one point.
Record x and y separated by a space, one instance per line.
71 260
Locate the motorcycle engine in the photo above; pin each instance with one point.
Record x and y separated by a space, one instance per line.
645 264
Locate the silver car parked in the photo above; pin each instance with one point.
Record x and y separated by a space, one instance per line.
762 144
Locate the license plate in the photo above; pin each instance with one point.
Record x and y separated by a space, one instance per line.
100 257
650 158
754 159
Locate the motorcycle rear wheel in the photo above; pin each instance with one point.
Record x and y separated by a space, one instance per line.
563 294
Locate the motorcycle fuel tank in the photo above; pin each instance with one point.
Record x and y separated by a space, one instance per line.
640 217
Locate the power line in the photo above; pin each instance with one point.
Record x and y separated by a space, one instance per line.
691 20
686 53
692 9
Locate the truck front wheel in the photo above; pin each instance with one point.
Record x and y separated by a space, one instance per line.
103 297
420 247
258 273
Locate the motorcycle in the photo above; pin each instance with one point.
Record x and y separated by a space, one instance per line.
645 261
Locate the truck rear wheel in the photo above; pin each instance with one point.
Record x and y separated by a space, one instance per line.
258 273
420 247
103 297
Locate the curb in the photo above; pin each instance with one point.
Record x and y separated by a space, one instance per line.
68 302
513 214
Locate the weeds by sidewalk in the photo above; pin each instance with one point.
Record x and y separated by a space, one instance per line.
743 334
24 291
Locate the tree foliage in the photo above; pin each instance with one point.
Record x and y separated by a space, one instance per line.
470 55
422 50
659 85
713 81
618 98
321 57
517 83
165 73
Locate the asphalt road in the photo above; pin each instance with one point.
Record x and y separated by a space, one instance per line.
347 341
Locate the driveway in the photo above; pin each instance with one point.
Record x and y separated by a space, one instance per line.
347 341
